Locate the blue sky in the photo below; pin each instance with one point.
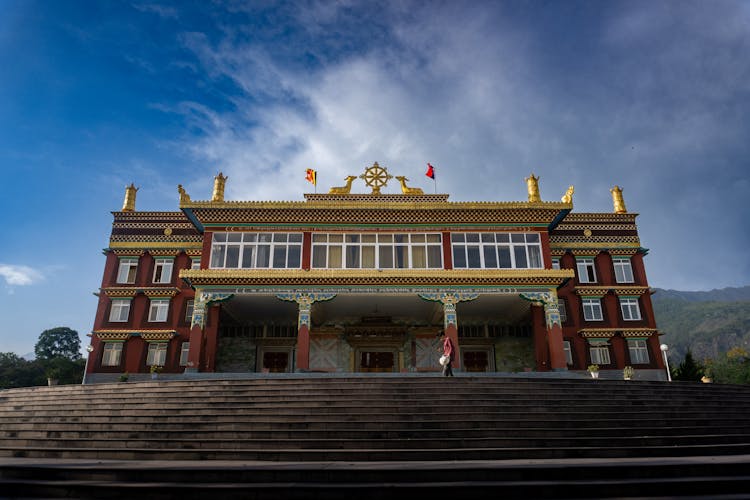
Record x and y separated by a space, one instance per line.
652 96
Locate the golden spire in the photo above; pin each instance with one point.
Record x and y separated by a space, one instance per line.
532 183
219 183
129 204
617 201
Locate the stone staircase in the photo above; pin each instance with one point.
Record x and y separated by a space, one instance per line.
337 437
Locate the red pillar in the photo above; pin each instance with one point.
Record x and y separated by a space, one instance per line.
556 350
195 353
303 348
211 336
452 333
538 330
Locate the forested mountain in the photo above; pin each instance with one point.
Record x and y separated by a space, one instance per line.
707 323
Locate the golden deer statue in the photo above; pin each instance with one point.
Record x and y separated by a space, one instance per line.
406 189
568 196
343 189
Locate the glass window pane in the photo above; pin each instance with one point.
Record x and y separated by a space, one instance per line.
263 256
517 238
434 238
320 238
294 257
417 238
220 237
234 237
458 238
352 257
503 253
535 257
334 257
336 238
520 254
264 237
488 238
319 256
502 237
402 256
385 238
385 257
368 257
250 237
280 237
532 237
490 256
459 256
418 257
352 238
401 238
434 257
279 256
248 254
472 237
472 253
368 238
217 256
233 257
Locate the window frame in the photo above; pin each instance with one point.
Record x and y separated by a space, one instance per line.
469 247
158 308
568 350
623 266
386 250
598 353
255 247
157 351
127 266
584 265
592 304
563 310
110 349
630 304
163 268
184 353
189 308
121 305
637 351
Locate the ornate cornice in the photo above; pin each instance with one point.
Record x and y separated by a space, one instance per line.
597 333
113 335
132 291
639 332
160 292
631 290
149 245
157 335
120 291
611 332
600 291
132 252
371 277
592 291
595 243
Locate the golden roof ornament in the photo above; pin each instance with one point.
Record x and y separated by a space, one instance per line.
376 177
219 183
406 189
345 189
532 184
129 204
568 196
184 197
617 200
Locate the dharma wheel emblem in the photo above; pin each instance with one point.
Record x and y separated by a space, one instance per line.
376 177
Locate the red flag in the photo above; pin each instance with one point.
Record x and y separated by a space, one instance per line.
430 172
311 176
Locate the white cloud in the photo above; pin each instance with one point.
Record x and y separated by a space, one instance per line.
20 275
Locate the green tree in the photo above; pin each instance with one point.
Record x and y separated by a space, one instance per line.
17 372
731 368
58 342
689 370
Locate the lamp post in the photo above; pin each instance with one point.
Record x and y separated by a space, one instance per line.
664 349
89 350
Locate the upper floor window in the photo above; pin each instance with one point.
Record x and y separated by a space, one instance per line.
592 309
163 270
189 306
623 270
184 351
599 354
568 352
638 350
157 354
630 309
195 263
126 271
586 270
377 251
555 263
563 310
496 250
111 353
256 250
158 310
119 311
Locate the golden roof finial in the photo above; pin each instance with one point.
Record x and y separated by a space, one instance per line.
532 184
129 204
184 197
617 200
568 196
219 183
376 177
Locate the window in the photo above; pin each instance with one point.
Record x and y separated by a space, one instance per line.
157 354
184 350
568 352
630 309
623 270
158 311
638 350
599 354
377 251
563 311
586 270
592 309
256 250
189 311
127 270
555 263
163 270
496 250
195 263
111 354
120 310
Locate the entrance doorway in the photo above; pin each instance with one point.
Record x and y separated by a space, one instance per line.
376 361
276 361
476 361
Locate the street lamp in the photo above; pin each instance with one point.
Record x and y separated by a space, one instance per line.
89 350
664 349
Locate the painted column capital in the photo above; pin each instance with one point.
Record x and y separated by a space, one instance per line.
549 301
449 301
305 302
201 303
